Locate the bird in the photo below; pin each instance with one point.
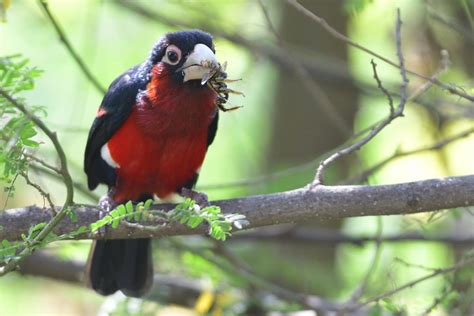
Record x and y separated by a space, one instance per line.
149 139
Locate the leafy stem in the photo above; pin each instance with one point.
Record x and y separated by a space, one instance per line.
64 172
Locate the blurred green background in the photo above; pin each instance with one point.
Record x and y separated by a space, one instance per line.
282 125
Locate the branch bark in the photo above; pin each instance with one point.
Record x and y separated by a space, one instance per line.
301 205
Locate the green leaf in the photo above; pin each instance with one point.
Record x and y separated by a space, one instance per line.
72 215
30 143
115 215
184 218
121 210
148 204
220 225
5 243
7 249
34 230
138 211
27 131
129 209
93 227
195 221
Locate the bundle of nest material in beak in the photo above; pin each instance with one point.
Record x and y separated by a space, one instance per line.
217 80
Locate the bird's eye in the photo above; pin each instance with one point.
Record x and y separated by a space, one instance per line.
172 55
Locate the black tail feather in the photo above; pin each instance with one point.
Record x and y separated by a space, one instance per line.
124 265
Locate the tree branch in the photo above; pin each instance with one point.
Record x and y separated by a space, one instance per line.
167 288
394 114
48 266
299 205
363 176
450 88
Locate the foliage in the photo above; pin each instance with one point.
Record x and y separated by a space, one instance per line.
121 212
17 132
220 226
188 213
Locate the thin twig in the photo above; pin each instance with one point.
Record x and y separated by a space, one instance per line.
42 163
414 265
382 88
319 177
309 301
63 38
438 272
363 176
38 188
436 16
78 186
286 172
446 291
11 187
450 88
444 65
360 290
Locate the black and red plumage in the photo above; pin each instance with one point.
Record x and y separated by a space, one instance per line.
150 138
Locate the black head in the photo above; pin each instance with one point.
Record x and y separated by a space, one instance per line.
183 54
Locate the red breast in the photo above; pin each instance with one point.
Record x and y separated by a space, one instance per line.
163 142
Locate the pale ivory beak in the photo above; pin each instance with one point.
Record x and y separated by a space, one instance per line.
199 63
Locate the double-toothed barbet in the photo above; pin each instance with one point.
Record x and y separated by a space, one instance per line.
150 138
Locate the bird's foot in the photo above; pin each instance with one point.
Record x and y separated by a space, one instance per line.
106 204
199 197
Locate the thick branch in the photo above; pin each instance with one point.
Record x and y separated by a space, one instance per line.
48 266
300 205
167 288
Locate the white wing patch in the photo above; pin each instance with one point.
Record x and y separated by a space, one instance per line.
105 154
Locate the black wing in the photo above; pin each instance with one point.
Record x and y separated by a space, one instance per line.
117 104
211 134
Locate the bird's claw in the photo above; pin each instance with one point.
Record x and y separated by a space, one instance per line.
106 204
199 197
